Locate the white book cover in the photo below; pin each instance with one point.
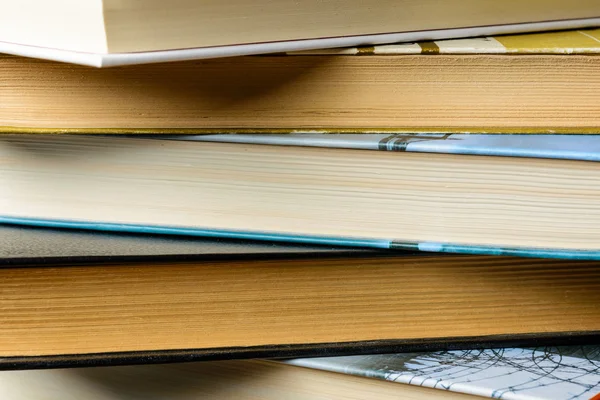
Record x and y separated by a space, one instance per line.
120 59
543 373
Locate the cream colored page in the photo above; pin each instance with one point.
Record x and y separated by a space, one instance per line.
143 25
406 197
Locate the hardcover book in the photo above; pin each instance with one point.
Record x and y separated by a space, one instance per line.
535 83
541 373
112 32
460 203
114 312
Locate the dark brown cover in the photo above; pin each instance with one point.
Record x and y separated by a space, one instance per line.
26 245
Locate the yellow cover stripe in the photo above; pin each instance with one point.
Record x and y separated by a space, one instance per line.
563 42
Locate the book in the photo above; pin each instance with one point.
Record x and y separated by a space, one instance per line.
115 312
536 83
568 372
224 380
98 32
361 198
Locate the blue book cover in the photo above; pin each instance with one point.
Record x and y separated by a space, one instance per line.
544 373
107 184
566 147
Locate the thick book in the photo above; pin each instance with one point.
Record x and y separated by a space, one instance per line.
110 32
536 83
115 312
541 373
458 203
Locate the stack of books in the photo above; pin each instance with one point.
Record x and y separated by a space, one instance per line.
422 212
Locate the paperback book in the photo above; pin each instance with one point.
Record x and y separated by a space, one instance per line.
110 32
541 373
543 83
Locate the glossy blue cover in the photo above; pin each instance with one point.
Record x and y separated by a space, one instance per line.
566 147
